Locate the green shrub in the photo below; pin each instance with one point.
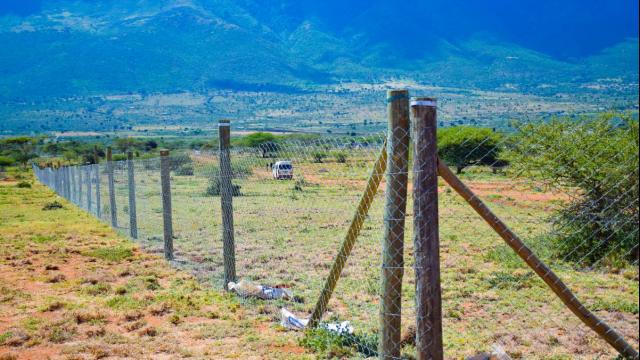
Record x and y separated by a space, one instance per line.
214 188
319 156
24 185
6 161
185 170
52 206
340 156
465 146
331 345
599 158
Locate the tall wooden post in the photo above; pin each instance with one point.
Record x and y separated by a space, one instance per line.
426 241
394 221
112 189
226 201
133 217
165 179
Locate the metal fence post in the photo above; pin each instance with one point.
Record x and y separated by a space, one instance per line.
112 189
165 178
426 241
78 181
88 170
394 221
226 201
72 184
98 191
80 186
67 187
133 218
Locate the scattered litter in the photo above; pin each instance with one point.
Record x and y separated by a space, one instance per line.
292 322
497 353
246 288
343 328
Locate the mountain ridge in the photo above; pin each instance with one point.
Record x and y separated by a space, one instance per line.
86 48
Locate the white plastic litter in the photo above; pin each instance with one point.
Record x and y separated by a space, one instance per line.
343 328
292 322
246 288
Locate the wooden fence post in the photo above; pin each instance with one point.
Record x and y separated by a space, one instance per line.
112 189
425 230
226 202
133 217
165 179
394 221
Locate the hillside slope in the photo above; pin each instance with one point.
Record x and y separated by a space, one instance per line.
92 48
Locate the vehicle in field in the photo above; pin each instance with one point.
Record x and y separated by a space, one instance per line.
282 170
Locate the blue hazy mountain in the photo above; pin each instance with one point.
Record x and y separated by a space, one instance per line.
69 47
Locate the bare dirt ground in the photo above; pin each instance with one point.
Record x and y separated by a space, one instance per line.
70 288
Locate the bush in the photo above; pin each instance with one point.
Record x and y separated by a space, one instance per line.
185 170
214 188
340 156
52 206
178 161
6 161
24 185
465 146
319 156
331 345
599 158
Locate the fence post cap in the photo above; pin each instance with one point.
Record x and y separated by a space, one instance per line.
224 122
129 155
164 152
424 101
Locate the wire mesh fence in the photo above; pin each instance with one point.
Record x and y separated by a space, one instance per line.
326 223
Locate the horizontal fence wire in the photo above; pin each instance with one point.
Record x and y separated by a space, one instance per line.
294 201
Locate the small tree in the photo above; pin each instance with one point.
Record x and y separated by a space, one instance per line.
319 156
341 156
22 149
598 157
264 142
465 146
6 161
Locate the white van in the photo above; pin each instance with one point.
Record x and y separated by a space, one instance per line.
282 170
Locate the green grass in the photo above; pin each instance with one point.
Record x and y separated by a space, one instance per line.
116 253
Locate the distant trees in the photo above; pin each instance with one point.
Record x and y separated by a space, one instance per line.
599 157
20 149
464 146
263 141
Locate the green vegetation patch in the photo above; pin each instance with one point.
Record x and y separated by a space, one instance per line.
114 253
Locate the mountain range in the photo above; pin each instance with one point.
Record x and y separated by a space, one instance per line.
65 48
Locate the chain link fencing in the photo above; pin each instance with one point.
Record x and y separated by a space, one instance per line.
345 227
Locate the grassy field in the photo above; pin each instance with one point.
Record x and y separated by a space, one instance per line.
289 237
71 288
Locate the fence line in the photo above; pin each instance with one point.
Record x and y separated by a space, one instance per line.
285 230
